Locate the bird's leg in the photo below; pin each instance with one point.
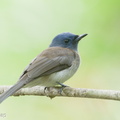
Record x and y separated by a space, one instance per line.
62 87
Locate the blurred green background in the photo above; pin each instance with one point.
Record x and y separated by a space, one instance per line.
28 26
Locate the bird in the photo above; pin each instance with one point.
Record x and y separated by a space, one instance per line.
51 67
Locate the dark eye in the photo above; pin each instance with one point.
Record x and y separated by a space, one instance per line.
66 41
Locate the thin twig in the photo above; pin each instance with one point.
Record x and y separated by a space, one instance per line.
66 92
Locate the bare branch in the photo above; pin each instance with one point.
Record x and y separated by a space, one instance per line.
66 92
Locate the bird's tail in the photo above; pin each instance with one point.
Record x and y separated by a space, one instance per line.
12 90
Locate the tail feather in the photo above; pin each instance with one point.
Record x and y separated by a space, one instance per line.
11 91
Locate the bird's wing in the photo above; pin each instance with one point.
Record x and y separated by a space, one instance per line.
50 61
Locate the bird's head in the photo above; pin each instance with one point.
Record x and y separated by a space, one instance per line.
67 40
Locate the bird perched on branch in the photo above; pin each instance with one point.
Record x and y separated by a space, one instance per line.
51 67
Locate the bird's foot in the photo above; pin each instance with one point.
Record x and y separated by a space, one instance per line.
62 87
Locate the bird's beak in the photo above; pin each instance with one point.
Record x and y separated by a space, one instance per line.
80 37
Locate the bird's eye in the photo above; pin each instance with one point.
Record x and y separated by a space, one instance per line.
66 41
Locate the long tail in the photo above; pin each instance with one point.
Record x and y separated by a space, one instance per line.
12 90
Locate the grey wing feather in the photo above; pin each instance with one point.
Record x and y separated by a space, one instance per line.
47 66
55 69
47 62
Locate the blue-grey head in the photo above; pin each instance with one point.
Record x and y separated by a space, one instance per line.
67 40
